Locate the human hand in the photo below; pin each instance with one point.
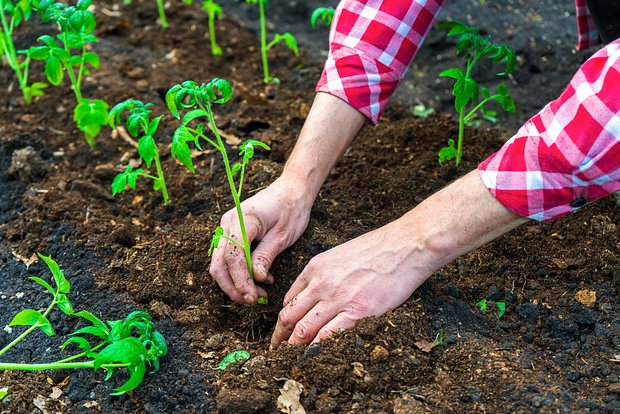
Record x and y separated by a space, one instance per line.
275 217
364 277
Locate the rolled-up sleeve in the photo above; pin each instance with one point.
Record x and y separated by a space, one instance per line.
568 154
372 43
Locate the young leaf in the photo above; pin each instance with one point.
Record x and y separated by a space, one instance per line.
447 153
135 379
482 303
64 304
180 150
501 308
326 14
90 116
223 88
454 73
233 357
82 343
92 319
114 115
124 351
153 125
191 115
4 391
171 100
215 239
30 317
59 276
44 284
94 331
53 70
147 149
124 179
291 42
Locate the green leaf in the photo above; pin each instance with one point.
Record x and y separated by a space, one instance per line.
135 379
90 116
44 284
115 113
147 149
59 276
92 59
233 357
30 317
501 308
92 319
421 111
124 179
124 351
53 70
454 73
235 168
4 391
82 343
64 304
38 52
502 89
482 303
92 330
171 100
36 89
247 148
223 89
465 90
262 301
191 115
215 239
447 153
290 42
180 150
326 14
153 125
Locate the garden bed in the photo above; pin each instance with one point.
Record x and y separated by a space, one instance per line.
549 353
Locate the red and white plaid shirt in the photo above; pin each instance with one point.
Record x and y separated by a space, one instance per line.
564 157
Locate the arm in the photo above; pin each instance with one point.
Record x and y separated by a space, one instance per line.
379 270
562 158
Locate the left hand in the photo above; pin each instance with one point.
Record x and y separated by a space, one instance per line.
364 277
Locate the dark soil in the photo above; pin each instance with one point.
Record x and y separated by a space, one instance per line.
549 353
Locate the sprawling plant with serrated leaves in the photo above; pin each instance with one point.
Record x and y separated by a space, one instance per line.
199 100
138 122
133 343
326 14
469 97
285 37
68 53
12 14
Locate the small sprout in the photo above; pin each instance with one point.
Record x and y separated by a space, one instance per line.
14 12
326 14
232 358
4 391
286 37
439 338
421 111
138 122
482 303
501 309
262 301
214 11
466 91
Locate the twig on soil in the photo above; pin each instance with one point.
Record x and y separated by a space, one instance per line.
122 132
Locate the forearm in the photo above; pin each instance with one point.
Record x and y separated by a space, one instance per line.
329 129
452 222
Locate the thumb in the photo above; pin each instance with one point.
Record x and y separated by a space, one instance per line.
264 254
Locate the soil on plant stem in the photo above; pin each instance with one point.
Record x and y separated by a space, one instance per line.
552 351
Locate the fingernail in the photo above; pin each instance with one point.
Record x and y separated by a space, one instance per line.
249 298
260 271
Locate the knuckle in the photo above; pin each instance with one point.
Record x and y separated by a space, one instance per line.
285 319
301 330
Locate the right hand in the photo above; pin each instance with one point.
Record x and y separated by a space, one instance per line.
275 217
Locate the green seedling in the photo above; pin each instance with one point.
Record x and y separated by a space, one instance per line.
232 358
326 14
439 338
4 391
132 343
285 37
214 11
12 14
421 111
139 122
68 53
199 99
160 8
469 96
482 303
501 309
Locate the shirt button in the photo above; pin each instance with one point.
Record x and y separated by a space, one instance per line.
578 202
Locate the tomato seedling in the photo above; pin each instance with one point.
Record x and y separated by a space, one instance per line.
132 343
466 90
163 21
139 119
326 14
12 14
214 11
285 37
200 98
67 53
